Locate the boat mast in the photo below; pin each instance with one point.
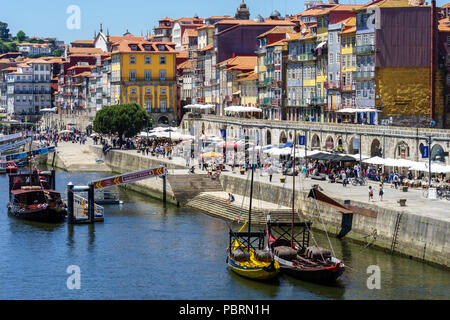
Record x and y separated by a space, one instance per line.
250 208
293 193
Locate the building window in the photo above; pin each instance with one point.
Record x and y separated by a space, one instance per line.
148 75
133 91
132 59
148 105
148 60
134 47
132 75
148 91
162 60
163 91
162 75
163 105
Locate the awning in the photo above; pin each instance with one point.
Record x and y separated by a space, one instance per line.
356 110
321 44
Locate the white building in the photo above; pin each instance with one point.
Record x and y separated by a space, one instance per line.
29 88
35 48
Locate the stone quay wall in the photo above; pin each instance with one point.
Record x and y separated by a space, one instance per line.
420 238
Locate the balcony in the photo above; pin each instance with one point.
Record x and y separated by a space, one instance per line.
23 91
306 57
333 85
348 88
276 102
363 75
268 62
367 49
267 101
318 101
267 81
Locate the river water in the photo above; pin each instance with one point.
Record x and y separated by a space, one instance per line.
146 251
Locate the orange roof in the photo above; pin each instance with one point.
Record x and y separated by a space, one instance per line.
183 54
447 5
342 7
185 65
312 12
167 19
81 67
84 41
278 30
127 37
191 33
349 25
251 22
444 25
209 26
250 76
219 17
10 69
124 46
281 42
240 63
208 47
389 4
86 51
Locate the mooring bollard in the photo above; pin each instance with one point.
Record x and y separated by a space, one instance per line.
91 211
70 202
164 177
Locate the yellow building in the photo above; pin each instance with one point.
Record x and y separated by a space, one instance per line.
144 73
348 66
248 83
322 61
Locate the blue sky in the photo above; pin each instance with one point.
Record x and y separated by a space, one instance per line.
48 18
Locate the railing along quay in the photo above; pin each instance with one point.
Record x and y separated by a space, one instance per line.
367 130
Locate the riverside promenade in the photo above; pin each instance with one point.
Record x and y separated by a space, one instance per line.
419 230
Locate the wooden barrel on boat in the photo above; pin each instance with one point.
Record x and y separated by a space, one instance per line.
240 255
263 255
285 253
317 253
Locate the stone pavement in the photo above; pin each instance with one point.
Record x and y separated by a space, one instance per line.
77 155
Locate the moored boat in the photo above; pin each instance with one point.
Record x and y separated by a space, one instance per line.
31 198
246 258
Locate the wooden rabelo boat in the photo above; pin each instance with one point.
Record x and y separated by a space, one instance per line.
8 167
246 254
296 257
32 197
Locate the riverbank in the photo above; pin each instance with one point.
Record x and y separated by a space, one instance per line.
414 230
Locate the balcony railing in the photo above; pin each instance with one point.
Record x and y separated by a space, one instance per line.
318 100
276 102
363 74
333 85
349 87
268 62
306 57
366 49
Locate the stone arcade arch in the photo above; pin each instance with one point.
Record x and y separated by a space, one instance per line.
351 150
315 142
283 138
375 149
163 120
329 143
437 153
268 137
402 150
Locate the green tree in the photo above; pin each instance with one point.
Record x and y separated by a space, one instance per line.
58 53
126 119
4 31
21 36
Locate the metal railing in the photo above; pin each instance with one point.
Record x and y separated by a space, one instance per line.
80 208
363 74
366 49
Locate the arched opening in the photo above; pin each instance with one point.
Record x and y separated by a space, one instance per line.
290 136
375 150
340 145
402 150
203 127
283 138
163 120
268 137
353 146
329 143
315 142
437 153
209 129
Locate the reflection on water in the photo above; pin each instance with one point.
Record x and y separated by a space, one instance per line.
145 250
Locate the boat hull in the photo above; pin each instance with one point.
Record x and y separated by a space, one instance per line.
47 215
255 273
320 275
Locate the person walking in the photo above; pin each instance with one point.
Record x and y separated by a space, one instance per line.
344 178
370 193
270 171
381 192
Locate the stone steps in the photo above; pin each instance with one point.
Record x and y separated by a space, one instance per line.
216 206
186 187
